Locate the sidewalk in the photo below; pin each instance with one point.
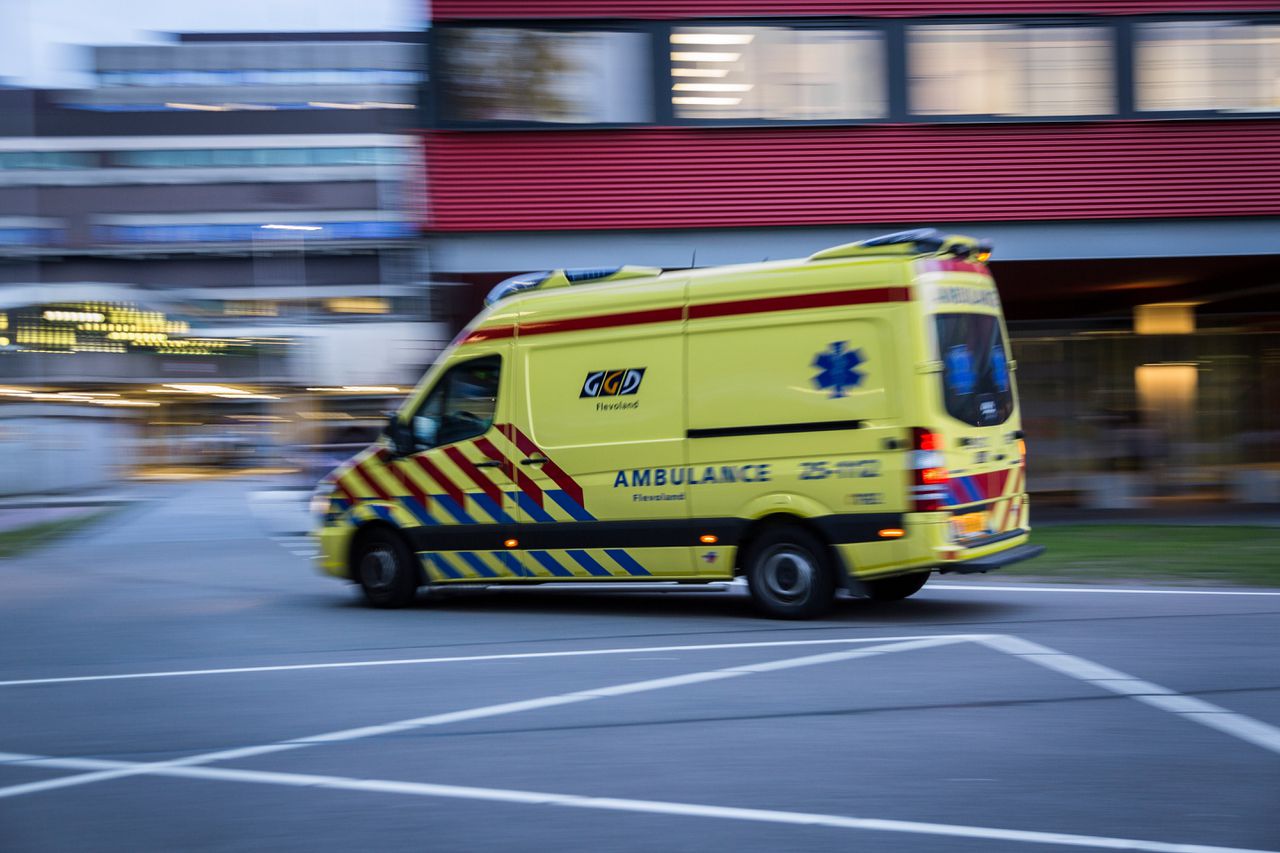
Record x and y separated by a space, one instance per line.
27 510
1198 514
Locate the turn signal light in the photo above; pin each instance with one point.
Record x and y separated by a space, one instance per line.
708 539
892 533
511 543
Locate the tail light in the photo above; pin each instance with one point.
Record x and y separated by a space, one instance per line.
929 475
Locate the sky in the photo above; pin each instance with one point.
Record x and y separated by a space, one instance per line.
38 38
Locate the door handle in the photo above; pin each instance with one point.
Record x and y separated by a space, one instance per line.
488 463
534 460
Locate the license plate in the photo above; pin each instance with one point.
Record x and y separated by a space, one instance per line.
970 524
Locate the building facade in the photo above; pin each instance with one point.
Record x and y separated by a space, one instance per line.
1124 157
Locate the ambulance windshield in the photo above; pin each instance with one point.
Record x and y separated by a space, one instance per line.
976 384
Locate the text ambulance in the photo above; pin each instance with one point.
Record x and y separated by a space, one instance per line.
846 420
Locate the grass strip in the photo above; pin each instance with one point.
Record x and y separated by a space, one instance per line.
20 540
1190 553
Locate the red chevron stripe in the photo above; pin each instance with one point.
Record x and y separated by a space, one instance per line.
353 474
550 468
522 480
409 484
450 488
369 478
477 476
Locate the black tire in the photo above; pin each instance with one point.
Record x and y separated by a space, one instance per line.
895 588
385 568
789 573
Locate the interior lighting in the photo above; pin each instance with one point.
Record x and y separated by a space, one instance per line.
335 105
131 404
73 317
279 227
209 108
706 102
188 388
371 389
699 72
4 342
703 56
713 87
387 105
712 38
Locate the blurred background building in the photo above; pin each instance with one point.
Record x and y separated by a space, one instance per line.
221 213
223 221
1123 156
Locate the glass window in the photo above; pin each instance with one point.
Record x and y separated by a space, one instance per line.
461 406
977 386
776 73
508 75
1229 66
1010 70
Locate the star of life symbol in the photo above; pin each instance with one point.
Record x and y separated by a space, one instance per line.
838 368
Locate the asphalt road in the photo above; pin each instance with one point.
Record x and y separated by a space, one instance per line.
979 716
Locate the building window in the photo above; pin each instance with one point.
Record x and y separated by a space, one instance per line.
777 73
1010 70
1226 66
509 75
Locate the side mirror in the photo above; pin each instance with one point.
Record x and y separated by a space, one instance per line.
398 433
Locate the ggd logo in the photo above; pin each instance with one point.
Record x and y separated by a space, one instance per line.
612 383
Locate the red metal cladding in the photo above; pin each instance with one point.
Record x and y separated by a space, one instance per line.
454 10
744 177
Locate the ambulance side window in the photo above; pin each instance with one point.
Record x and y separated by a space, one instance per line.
461 406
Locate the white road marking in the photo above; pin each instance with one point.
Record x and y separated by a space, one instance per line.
183 673
1000 587
542 798
479 713
1188 708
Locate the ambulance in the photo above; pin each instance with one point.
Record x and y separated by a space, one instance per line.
844 421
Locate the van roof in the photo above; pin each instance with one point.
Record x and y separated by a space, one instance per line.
908 245
921 242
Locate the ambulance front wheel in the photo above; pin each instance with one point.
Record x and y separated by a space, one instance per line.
383 566
789 573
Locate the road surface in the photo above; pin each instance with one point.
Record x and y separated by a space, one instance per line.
179 678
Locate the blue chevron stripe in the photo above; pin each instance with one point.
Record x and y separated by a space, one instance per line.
628 563
582 558
549 563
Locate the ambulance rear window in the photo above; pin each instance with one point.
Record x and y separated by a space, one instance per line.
976 384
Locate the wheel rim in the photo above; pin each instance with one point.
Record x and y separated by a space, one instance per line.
378 568
788 573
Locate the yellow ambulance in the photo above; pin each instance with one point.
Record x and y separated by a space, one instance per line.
849 420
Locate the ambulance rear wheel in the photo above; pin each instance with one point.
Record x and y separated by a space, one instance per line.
383 566
789 574
895 588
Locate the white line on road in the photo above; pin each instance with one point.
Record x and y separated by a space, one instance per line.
182 673
1188 708
660 807
481 712
999 587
